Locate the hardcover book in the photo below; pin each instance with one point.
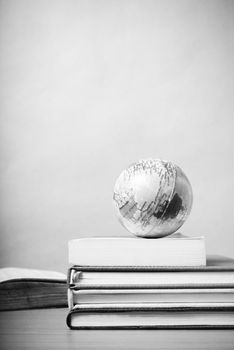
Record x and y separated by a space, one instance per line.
137 296
154 318
219 273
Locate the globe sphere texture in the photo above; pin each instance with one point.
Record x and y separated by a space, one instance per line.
153 198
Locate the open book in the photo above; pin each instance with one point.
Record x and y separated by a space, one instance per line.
28 288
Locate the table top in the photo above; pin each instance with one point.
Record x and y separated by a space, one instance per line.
46 329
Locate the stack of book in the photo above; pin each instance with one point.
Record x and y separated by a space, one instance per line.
148 283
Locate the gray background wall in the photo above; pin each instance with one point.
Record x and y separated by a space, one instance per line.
87 87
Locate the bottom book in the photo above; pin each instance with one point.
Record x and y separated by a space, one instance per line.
150 319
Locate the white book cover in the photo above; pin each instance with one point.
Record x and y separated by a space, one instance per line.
135 296
160 279
174 250
151 319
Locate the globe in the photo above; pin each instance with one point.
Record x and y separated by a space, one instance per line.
153 198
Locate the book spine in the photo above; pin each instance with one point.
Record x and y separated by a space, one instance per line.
72 276
70 299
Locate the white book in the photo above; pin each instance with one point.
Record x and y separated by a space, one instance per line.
174 250
135 296
160 279
151 319
151 307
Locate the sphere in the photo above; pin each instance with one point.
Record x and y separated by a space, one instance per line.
153 198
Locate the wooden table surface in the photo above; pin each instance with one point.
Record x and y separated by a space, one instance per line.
46 329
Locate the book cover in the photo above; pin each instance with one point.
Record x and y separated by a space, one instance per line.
217 274
151 319
136 296
174 250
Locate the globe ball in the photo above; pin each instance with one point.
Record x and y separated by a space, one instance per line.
153 198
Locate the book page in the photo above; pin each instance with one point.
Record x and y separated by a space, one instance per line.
12 273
